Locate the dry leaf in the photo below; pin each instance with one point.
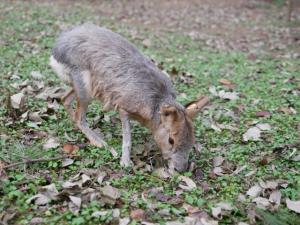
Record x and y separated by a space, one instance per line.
269 184
111 192
217 161
74 204
252 134
275 197
162 173
51 143
17 100
293 205
261 202
146 43
225 82
36 74
228 95
254 191
218 171
99 213
67 162
101 176
216 211
50 191
263 126
225 206
124 221
137 214
263 114
190 184
36 221
39 199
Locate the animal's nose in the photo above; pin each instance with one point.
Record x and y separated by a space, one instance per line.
182 167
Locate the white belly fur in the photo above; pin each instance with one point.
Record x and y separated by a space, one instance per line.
61 70
63 73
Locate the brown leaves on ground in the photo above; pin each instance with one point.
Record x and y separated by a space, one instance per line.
293 205
267 194
79 190
137 214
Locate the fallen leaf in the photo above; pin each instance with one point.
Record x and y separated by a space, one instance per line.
190 209
271 184
228 95
218 171
198 174
146 43
34 116
17 100
101 176
225 206
67 162
216 211
162 173
51 143
225 82
110 192
99 213
190 184
252 134
36 74
148 223
124 221
254 191
217 161
36 221
137 214
275 197
50 191
263 126
39 199
70 149
261 202
263 114
293 205
289 110
74 204
85 179
296 158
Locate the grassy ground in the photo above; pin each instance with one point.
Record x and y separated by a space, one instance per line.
28 31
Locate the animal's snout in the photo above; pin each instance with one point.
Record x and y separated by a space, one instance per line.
180 161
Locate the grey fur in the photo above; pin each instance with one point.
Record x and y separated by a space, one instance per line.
121 77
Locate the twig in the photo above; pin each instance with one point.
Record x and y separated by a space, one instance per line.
28 161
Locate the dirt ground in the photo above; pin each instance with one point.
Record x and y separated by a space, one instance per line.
254 26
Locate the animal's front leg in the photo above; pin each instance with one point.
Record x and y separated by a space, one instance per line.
126 145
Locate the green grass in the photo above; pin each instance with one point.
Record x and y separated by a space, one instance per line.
29 31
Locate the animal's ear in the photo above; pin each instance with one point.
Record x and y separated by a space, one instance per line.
168 114
194 107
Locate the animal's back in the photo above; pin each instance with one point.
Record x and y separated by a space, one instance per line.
120 76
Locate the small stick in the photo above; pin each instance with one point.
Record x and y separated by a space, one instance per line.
27 161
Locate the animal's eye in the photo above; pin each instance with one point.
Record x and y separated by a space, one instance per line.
171 141
166 114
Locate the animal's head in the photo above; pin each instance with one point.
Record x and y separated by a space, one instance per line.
175 134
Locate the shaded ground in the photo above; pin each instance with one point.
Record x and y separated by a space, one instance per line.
256 27
241 53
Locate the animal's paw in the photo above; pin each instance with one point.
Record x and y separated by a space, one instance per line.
126 162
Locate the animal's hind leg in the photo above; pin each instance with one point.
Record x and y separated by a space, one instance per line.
81 87
67 100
